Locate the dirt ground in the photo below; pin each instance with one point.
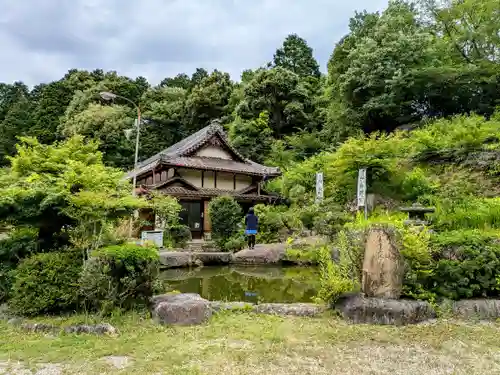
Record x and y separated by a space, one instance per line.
251 344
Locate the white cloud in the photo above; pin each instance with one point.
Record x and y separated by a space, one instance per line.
42 39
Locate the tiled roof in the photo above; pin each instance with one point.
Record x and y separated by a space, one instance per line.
180 154
206 192
215 164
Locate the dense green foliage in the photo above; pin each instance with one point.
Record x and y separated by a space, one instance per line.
411 94
225 216
46 283
399 67
119 276
60 199
63 190
167 210
468 264
276 223
19 244
336 278
177 236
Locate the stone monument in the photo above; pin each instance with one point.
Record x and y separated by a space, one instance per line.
383 267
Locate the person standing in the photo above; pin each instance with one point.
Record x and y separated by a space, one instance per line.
251 223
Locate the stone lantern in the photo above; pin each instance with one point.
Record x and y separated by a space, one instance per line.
416 214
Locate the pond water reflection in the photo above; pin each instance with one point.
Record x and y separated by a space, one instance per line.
247 283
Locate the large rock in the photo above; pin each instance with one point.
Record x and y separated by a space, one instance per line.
282 309
184 259
180 309
358 309
209 258
175 259
97 329
262 254
383 268
482 309
307 242
218 306
294 309
39 327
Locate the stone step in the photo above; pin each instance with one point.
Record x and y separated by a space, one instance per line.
200 246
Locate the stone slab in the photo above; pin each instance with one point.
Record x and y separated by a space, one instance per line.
358 309
180 309
262 254
483 309
290 309
213 258
175 259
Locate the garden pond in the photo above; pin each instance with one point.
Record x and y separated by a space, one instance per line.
256 284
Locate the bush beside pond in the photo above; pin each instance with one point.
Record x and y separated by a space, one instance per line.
46 283
19 244
120 276
177 236
225 216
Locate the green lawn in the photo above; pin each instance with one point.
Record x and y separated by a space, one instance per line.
250 344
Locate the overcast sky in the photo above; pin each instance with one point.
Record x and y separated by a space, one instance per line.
41 39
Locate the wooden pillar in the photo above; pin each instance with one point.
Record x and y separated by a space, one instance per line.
207 226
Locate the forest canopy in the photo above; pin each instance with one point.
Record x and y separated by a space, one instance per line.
397 68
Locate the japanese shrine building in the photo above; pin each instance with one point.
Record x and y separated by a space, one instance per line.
200 167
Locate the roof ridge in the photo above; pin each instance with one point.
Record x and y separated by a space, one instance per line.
182 142
185 148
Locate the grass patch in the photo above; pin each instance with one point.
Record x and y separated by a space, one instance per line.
235 343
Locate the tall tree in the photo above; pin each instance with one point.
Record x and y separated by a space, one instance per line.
108 125
296 56
49 106
164 119
360 26
181 80
471 27
52 188
199 75
281 94
17 122
253 138
394 69
10 94
208 100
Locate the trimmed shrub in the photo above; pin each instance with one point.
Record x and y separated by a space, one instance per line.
166 208
225 216
305 256
119 276
20 244
46 283
335 278
272 223
467 264
235 244
177 236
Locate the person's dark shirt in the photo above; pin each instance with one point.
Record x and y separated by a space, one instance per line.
252 222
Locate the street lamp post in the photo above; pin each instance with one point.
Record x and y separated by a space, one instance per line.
106 95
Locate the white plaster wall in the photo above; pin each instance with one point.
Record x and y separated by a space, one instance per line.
225 181
243 181
209 181
192 176
214 152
